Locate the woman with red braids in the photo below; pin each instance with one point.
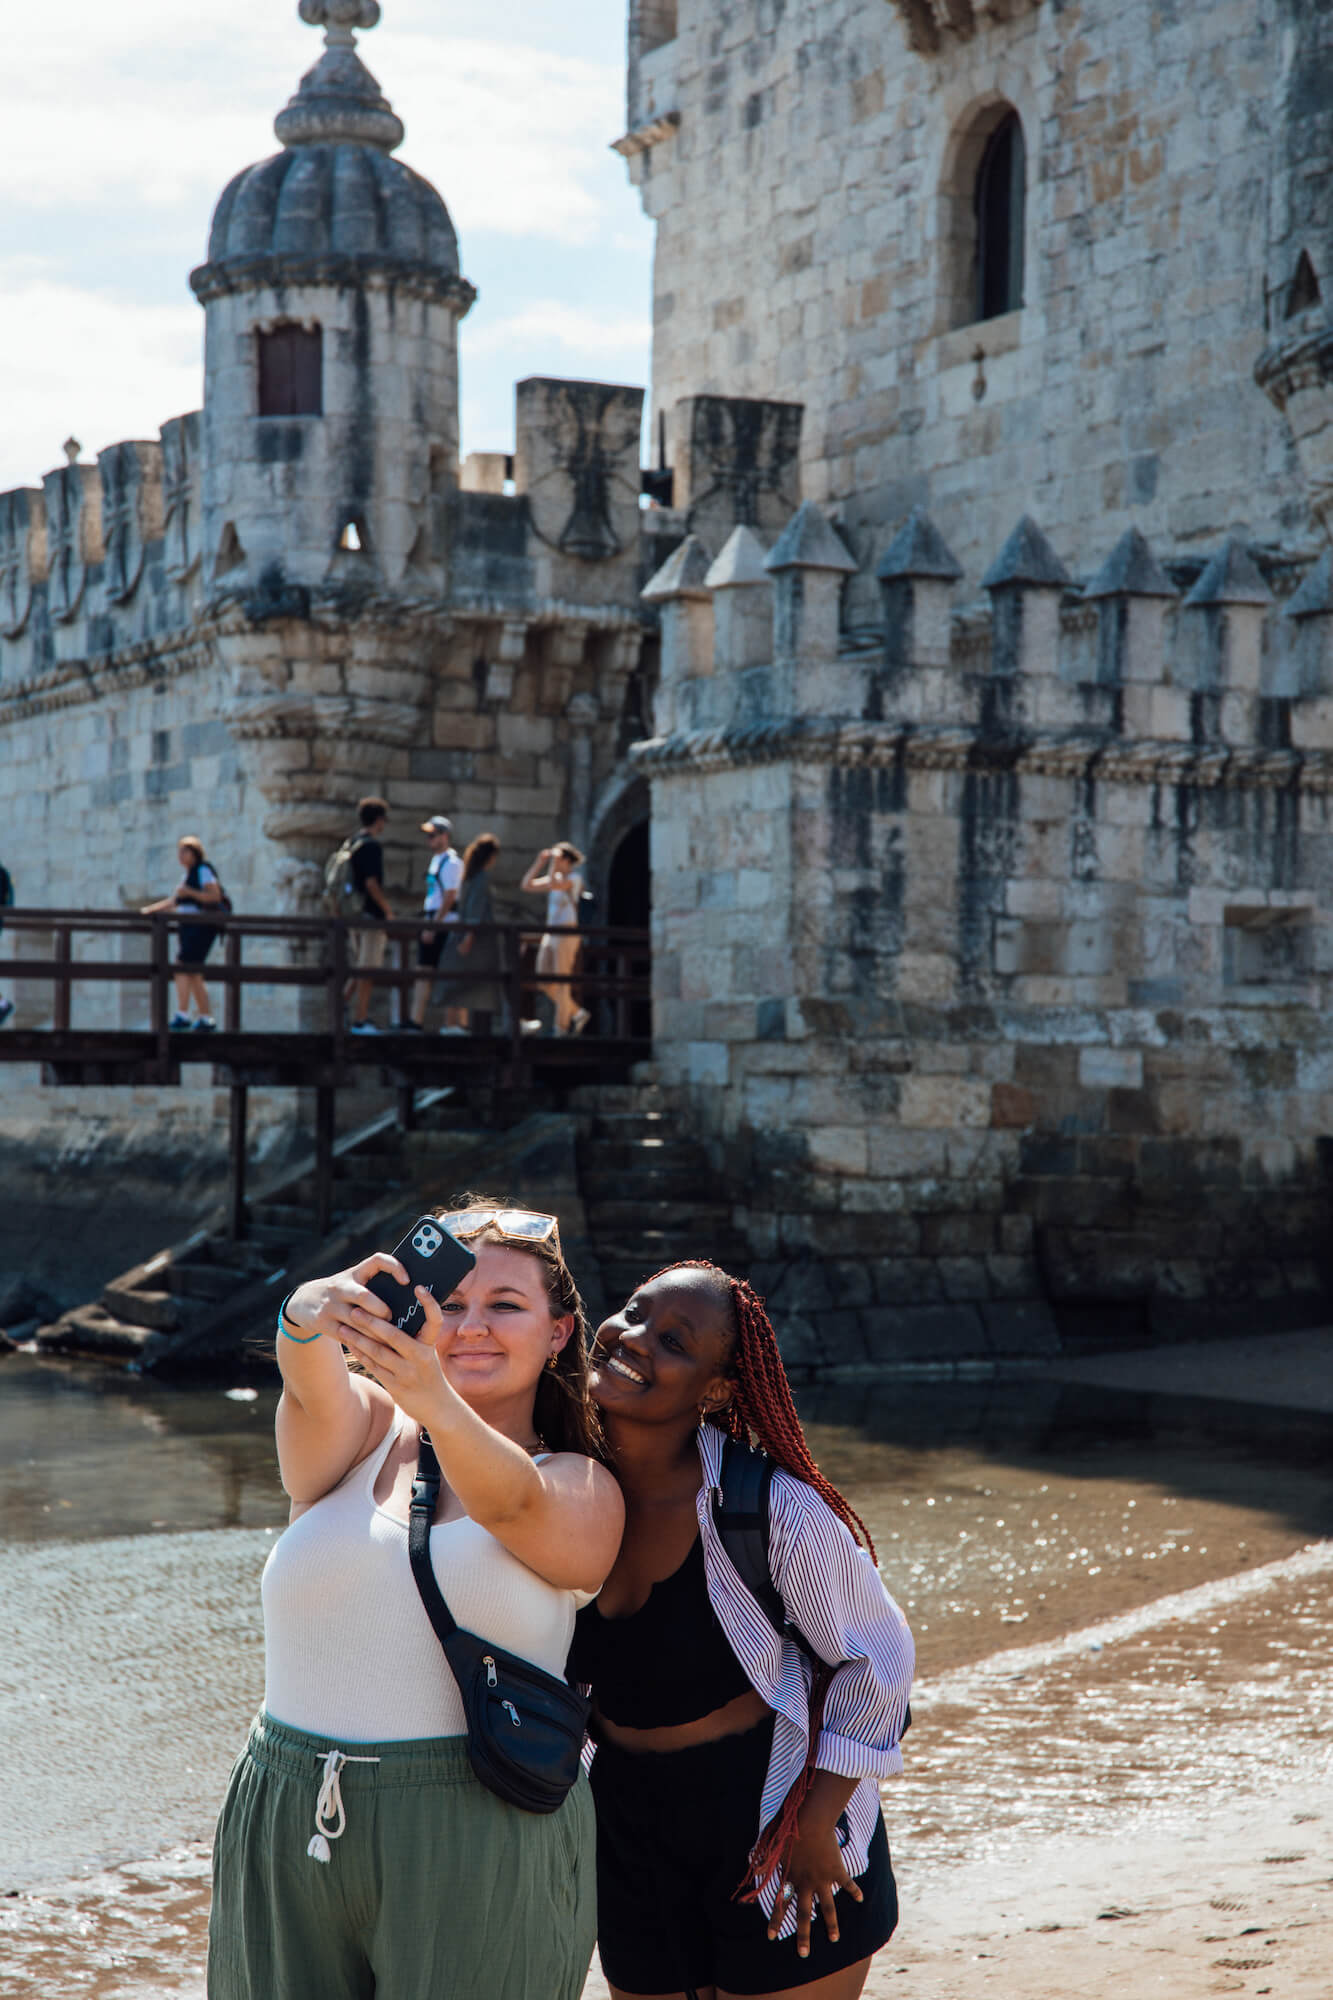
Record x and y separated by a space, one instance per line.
741 1849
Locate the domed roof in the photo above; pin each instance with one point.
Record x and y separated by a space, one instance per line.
333 205
347 200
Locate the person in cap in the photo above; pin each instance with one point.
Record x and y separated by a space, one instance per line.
444 878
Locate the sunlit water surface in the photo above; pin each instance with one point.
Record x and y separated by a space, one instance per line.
134 1522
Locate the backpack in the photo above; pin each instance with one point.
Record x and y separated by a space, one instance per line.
741 1514
339 881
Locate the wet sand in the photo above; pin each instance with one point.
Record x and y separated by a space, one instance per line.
1118 1782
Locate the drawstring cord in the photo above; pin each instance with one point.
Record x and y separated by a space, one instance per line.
330 1814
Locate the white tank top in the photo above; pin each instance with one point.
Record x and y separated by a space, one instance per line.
562 905
349 1652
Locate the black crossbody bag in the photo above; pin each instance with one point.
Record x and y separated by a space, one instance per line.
525 1727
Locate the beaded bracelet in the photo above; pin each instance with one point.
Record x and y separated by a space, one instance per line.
301 1339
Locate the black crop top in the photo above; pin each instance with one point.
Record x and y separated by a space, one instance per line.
667 1662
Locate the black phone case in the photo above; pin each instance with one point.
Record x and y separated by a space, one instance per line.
432 1258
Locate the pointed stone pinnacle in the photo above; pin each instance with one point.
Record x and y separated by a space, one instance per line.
809 542
1026 560
684 574
919 550
1314 599
1131 570
740 563
1232 577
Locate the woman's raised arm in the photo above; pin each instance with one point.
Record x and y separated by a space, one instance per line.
328 1419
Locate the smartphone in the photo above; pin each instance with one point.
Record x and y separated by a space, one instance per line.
433 1259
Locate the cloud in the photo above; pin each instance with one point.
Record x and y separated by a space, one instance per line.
554 322
146 106
122 124
99 368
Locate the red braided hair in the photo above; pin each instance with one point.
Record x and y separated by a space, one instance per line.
761 1402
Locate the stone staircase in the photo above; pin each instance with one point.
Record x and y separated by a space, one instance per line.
649 1192
184 1298
632 1189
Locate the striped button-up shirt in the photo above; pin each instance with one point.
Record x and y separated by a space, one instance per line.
834 1597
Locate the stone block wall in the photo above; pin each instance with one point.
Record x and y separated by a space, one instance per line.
811 169
1001 970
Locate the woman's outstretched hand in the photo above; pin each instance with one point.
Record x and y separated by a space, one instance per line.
816 1874
409 1369
342 1305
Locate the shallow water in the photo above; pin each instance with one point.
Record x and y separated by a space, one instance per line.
1016 1523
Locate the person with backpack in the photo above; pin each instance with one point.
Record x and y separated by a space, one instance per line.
199 890
749 1671
354 887
6 903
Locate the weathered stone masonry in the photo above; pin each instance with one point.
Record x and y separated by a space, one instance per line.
996 959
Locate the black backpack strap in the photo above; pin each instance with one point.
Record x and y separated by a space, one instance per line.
425 1493
740 1511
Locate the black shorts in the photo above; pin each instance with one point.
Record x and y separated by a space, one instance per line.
194 942
674 1834
429 951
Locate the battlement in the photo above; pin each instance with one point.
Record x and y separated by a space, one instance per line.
1220 655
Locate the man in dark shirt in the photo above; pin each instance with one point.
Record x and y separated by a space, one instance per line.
368 946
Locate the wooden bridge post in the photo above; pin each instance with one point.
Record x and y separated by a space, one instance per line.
63 994
158 991
231 1018
236 1183
326 1099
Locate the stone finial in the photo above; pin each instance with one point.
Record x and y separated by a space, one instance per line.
684 574
1027 561
918 550
1131 570
338 18
71 448
339 101
1232 577
1314 599
809 542
741 562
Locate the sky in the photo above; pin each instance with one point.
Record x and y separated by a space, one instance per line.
121 121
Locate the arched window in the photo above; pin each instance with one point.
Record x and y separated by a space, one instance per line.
999 204
291 372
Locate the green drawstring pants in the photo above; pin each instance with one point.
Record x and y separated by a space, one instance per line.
433 1888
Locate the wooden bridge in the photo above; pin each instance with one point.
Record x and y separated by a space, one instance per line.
302 965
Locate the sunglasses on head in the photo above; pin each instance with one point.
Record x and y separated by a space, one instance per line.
520 1225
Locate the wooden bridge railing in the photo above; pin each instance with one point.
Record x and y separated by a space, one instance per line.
612 974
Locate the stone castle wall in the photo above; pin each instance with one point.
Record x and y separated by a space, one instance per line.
811 170
997 958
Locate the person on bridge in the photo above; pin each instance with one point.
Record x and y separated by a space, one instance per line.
198 890
739 1750
474 947
417 1879
444 879
555 875
368 942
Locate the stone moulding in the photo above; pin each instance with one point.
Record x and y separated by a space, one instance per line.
812 740
371 273
74 683
645 136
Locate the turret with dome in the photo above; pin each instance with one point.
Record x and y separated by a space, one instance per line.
332 295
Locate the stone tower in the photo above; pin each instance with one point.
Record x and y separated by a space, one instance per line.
332 295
